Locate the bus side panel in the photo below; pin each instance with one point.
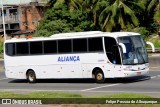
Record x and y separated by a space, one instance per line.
44 66
58 66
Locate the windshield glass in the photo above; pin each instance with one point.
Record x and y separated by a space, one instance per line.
135 50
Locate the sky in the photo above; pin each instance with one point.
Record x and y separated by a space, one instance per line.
18 1
15 1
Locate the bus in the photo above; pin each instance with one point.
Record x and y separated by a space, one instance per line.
79 55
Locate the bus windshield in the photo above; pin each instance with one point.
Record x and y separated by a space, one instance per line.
135 50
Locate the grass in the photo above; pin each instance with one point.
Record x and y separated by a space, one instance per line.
68 95
155 40
124 95
38 95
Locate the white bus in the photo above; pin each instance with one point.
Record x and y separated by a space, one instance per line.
91 54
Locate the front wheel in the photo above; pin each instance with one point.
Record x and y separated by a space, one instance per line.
99 76
31 76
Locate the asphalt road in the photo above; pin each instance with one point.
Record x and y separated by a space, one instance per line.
149 85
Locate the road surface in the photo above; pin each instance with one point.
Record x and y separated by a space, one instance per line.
148 85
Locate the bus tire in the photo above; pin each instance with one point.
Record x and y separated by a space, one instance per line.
99 76
31 76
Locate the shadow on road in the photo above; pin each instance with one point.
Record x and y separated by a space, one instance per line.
107 81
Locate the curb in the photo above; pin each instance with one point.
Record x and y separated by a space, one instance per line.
150 55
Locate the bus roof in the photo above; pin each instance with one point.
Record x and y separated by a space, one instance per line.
77 35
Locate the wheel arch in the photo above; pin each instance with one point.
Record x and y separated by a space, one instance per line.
28 71
95 69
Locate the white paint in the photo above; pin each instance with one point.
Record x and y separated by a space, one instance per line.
122 92
99 87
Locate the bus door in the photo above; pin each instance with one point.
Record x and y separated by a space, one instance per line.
113 55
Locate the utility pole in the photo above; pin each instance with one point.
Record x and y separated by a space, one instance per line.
4 28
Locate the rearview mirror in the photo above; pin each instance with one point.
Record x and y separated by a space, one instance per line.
123 47
151 44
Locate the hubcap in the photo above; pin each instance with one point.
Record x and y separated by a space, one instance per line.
99 76
31 77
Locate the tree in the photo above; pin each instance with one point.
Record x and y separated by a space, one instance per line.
147 13
71 4
59 19
117 15
93 8
105 15
51 3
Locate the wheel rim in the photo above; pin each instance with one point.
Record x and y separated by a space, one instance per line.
99 76
31 77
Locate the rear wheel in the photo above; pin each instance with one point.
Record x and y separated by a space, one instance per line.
99 76
31 76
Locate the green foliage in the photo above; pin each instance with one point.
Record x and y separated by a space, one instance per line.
146 13
141 30
118 15
1 47
107 15
59 19
155 41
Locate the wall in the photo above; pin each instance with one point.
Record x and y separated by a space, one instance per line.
30 17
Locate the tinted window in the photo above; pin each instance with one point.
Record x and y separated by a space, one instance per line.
112 50
35 47
79 45
64 46
95 44
50 47
109 43
22 48
10 49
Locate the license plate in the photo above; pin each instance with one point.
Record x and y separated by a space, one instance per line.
138 73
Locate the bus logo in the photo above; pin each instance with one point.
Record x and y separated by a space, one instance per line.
68 58
6 101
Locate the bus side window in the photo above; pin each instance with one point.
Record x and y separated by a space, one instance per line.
112 52
79 45
95 44
36 48
22 48
64 46
10 49
50 47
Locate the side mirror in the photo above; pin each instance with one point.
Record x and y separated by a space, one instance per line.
123 47
153 48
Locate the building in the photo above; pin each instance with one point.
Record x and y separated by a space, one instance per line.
11 19
21 18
